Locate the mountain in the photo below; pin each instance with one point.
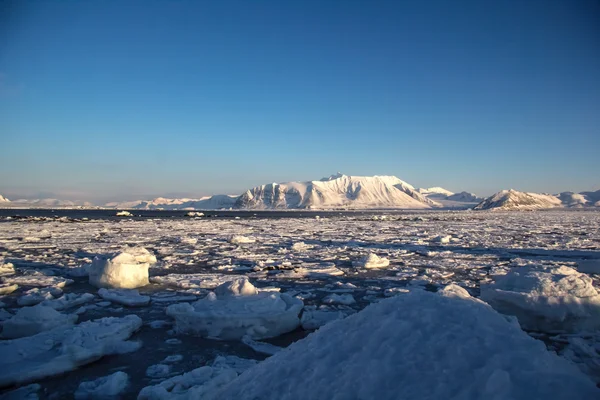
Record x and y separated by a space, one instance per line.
45 203
515 200
160 203
336 191
4 199
464 197
435 192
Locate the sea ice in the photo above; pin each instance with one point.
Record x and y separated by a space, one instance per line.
127 297
68 300
158 371
237 309
36 295
372 261
345 299
125 270
421 345
105 387
313 319
65 348
241 240
546 299
124 214
260 347
6 268
7 288
29 321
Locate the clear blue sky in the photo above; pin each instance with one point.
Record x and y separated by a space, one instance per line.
122 99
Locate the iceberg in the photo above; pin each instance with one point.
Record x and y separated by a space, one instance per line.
125 270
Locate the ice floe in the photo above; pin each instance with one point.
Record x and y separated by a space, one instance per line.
546 299
372 261
127 297
237 309
106 387
64 349
29 321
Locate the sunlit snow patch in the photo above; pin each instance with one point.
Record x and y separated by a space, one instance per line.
236 309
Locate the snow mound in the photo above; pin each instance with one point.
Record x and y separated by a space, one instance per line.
420 345
200 383
237 309
548 300
125 270
64 349
515 200
127 297
29 321
372 261
102 388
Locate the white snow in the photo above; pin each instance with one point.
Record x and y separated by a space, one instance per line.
64 349
372 261
124 214
241 240
421 345
234 310
39 280
6 268
313 319
36 295
105 387
68 300
29 321
127 297
260 347
7 288
345 299
125 270
515 200
546 299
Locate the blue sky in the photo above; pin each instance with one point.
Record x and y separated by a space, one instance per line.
124 99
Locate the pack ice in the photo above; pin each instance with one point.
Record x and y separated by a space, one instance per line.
127 269
236 309
29 321
546 299
64 348
421 345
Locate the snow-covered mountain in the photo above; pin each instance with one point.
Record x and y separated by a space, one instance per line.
3 199
464 197
515 200
435 192
337 191
45 203
205 203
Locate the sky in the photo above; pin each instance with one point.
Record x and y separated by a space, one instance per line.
118 100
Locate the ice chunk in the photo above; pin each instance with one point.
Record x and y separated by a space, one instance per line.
124 214
6 268
235 310
29 392
35 296
313 319
7 288
241 240
260 347
125 270
29 321
420 345
546 299
443 239
64 349
193 281
39 280
372 261
127 297
158 371
102 388
68 300
345 299
300 246
200 383
172 359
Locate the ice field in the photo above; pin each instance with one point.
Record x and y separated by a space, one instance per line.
460 305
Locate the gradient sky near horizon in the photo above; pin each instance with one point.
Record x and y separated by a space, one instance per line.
117 100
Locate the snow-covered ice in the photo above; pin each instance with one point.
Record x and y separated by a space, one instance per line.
546 299
125 270
127 297
236 309
105 387
29 321
372 261
65 348
398 348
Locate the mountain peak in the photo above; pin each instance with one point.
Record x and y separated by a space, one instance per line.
333 177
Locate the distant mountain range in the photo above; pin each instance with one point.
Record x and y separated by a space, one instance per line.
342 192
